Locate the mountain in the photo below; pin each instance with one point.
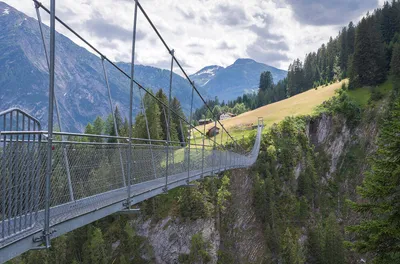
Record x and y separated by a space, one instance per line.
202 77
241 77
80 85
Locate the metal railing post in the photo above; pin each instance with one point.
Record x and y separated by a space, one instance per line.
128 202
148 133
226 155
202 154
213 154
46 231
65 156
220 153
169 122
114 118
190 136
230 158
166 151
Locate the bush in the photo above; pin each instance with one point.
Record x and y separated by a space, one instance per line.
342 104
198 251
376 95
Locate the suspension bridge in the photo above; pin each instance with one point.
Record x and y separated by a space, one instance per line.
54 182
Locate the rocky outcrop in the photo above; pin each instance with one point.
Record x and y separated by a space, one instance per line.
170 238
241 234
243 238
237 234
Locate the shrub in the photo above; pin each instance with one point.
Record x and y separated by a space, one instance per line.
376 95
343 104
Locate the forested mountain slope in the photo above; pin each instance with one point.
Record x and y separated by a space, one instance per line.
80 85
301 202
290 207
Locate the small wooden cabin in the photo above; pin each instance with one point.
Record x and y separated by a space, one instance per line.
213 131
205 121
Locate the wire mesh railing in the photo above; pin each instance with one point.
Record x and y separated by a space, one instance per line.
50 177
20 170
95 171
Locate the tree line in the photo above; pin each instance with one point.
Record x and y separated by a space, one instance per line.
365 53
218 108
157 116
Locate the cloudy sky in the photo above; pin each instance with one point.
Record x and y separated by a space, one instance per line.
207 32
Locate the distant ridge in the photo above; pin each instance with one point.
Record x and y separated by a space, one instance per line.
241 77
80 86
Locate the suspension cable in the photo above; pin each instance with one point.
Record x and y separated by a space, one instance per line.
180 66
126 74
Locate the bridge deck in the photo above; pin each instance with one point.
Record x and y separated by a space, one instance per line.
66 216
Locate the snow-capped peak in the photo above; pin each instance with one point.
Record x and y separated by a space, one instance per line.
209 70
6 12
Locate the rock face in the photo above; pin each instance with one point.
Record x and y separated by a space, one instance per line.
243 236
170 238
335 137
237 233
323 132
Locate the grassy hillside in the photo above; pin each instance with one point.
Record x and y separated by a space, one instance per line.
301 104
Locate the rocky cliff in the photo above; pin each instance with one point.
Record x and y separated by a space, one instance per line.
238 234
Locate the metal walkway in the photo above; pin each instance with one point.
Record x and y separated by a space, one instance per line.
54 182
97 185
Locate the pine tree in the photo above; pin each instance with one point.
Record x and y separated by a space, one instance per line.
125 129
380 233
333 242
98 126
314 245
266 81
351 38
291 250
122 260
118 119
163 112
295 83
94 248
89 129
217 111
140 127
153 117
109 126
388 20
343 50
181 133
337 71
369 65
58 250
310 70
331 51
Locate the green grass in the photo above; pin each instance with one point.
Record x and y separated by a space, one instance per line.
362 95
386 87
301 104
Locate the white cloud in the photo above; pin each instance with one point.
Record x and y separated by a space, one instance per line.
202 32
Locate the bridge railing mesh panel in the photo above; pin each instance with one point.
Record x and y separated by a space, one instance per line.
21 164
98 175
